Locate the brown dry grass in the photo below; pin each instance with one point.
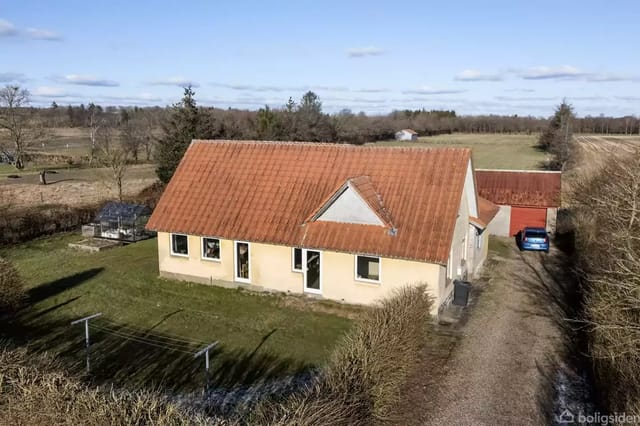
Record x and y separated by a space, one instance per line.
70 193
35 391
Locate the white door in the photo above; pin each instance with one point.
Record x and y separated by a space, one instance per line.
312 264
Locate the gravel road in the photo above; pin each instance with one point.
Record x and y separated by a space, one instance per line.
496 372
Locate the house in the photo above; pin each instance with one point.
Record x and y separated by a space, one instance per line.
406 135
342 222
525 197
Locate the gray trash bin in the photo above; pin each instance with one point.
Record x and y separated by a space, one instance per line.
461 290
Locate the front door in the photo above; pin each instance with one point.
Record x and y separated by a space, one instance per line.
313 265
241 260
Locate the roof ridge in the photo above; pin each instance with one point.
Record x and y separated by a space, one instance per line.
337 145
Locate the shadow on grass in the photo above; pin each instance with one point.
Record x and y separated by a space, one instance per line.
50 289
139 358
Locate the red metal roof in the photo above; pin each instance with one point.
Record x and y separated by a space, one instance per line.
520 188
265 192
486 211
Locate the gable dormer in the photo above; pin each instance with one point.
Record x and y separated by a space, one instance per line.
356 201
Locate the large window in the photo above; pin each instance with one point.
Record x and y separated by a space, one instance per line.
179 245
210 248
296 259
241 259
368 269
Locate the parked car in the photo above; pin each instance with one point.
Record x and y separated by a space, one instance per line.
535 239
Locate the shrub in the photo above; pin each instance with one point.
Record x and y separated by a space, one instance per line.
11 288
363 379
34 390
607 222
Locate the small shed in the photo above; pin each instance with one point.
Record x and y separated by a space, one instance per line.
123 222
407 135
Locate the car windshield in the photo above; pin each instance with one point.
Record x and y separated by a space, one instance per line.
535 234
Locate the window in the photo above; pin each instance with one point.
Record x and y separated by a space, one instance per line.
179 245
210 248
368 268
241 259
296 259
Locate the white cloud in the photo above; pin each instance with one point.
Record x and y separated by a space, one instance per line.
8 77
525 98
359 52
175 81
611 77
563 72
372 90
475 75
141 99
49 91
86 80
42 34
7 29
629 98
426 90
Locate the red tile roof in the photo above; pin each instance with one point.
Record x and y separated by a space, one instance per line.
265 191
520 188
486 211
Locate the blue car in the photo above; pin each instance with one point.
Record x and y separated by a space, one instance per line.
534 239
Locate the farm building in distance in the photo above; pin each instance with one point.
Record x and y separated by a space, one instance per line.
341 222
526 198
407 135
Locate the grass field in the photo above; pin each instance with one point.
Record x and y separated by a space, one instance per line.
490 151
151 327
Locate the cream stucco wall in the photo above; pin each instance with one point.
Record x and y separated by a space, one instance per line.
270 269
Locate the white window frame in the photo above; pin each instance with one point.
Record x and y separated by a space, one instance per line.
293 259
450 265
367 280
235 262
478 240
171 235
210 259
304 269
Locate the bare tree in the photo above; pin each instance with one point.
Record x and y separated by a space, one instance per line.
132 135
113 155
21 128
94 123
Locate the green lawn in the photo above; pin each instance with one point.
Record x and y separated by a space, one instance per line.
490 151
151 326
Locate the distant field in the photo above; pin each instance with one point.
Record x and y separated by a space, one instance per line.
490 151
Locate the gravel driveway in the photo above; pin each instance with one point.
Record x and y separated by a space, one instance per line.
493 368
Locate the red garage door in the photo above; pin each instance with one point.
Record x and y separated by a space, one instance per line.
522 217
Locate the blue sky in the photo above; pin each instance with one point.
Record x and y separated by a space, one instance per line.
477 57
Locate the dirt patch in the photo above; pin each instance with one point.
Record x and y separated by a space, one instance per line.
495 368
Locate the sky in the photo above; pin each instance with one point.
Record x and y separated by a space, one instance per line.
475 57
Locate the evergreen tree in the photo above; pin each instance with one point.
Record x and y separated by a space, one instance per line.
178 132
557 138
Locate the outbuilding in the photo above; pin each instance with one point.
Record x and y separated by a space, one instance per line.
526 198
407 135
